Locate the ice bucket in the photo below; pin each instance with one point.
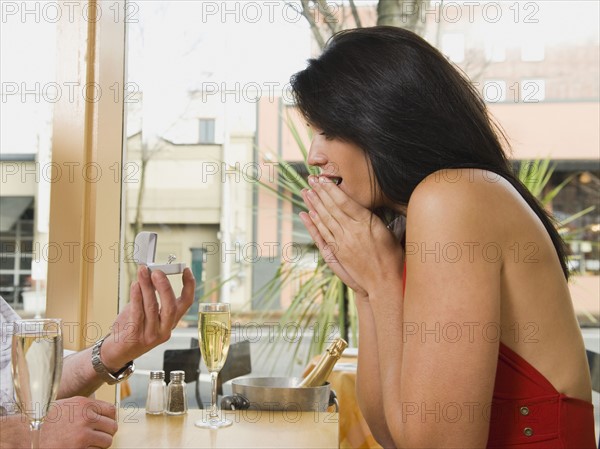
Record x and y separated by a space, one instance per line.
278 393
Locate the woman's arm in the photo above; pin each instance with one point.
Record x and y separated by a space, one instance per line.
439 354
369 385
368 376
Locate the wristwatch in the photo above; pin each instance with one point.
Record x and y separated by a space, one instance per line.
100 368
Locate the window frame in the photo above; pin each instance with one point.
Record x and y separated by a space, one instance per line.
83 289
206 124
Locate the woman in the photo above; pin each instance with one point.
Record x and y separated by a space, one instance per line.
468 336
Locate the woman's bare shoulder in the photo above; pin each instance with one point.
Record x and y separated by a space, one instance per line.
465 181
474 196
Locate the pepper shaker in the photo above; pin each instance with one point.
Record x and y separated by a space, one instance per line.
157 393
176 397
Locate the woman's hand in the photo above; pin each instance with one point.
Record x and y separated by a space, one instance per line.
328 253
353 241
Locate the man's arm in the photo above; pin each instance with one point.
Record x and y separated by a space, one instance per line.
141 326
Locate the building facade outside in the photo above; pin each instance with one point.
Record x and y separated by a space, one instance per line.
202 165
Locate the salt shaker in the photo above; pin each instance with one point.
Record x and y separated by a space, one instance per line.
176 398
157 393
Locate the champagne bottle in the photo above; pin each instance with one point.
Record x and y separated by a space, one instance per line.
318 376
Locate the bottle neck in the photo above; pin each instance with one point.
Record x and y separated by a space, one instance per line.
318 376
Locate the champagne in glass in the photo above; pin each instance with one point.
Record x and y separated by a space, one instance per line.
215 329
214 333
37 356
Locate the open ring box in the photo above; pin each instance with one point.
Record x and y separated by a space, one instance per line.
144 252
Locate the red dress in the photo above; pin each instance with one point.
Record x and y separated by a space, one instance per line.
528 413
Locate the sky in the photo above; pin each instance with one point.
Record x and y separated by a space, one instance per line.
179 45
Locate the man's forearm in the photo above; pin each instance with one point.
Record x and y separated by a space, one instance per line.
79 377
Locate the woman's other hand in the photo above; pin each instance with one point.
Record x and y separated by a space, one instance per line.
354 242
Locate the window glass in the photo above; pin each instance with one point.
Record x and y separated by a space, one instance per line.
207 131
533 90
28 93
453 46
533 51
494 91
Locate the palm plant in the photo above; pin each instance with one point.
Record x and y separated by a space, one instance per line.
322 303
535 175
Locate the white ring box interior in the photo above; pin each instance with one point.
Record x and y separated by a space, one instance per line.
144 252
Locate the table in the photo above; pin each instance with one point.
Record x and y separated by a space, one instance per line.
250 429
354 431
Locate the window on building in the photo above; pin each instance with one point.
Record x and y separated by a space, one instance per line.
16 254
581 234
532 51
533 90
495 51
453 46
494 91
206 130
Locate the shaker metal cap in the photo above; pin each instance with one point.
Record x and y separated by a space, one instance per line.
177 375
159 374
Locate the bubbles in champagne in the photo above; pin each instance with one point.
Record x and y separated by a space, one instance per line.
37 368
214 329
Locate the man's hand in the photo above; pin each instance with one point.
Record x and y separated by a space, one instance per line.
75 423
79 423
146 323
141 326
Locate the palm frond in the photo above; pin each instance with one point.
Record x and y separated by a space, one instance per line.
576 215
535 175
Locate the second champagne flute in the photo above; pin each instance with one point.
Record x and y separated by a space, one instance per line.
214 332
37 357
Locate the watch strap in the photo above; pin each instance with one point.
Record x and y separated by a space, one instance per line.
100 368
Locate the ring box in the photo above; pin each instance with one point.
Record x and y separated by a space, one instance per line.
145 250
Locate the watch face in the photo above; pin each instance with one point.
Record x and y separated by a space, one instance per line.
124 373
100 368
127 370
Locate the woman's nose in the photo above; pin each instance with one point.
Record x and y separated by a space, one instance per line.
315 156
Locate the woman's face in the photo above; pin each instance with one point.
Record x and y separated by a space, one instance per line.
347 165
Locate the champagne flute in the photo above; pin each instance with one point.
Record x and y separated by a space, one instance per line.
214 332
37 360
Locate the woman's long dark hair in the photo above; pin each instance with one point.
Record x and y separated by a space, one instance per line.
394 95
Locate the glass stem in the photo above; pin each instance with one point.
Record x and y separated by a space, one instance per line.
213 402
35 434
